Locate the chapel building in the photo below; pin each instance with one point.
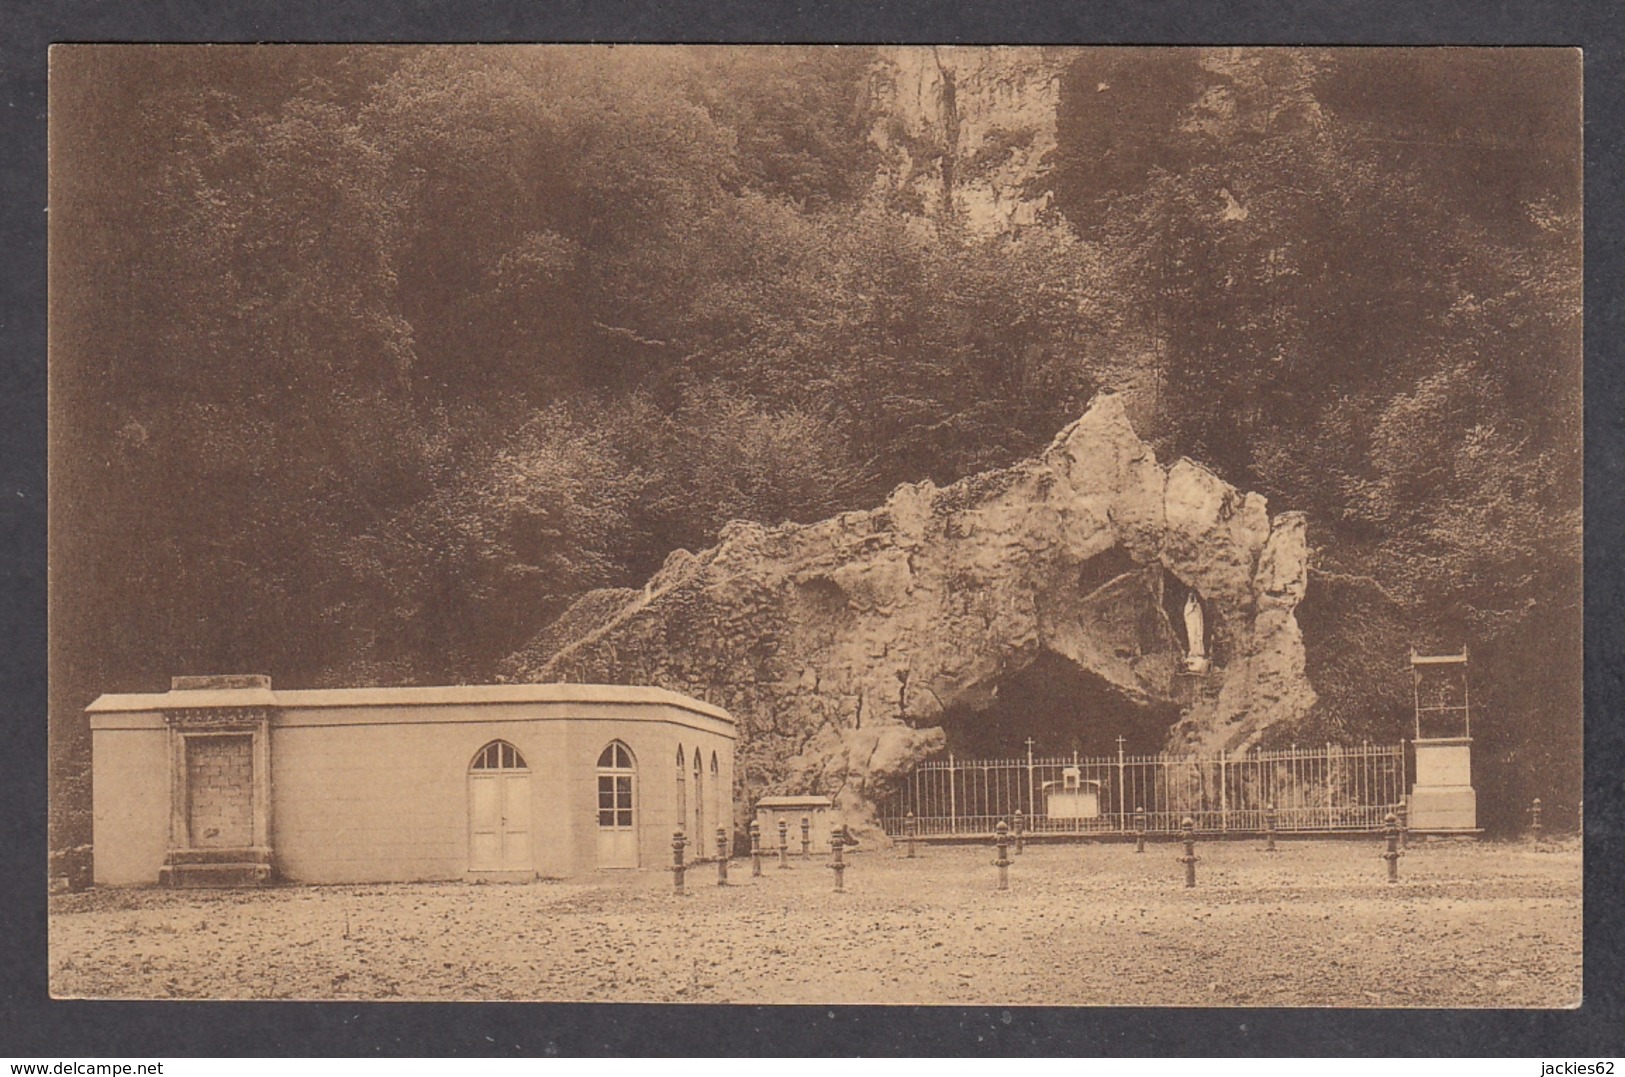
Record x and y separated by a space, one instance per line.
226 781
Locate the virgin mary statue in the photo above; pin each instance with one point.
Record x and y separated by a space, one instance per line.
1196 653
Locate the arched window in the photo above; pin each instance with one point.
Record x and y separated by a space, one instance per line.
699 798
719 808
498 755
682 789
615 773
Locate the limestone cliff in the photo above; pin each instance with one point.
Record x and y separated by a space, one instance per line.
841 646
967 133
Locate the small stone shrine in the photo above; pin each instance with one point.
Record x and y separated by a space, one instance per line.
1442 799
818 811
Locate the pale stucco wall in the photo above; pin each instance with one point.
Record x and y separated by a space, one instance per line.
386 800
130 791
367 797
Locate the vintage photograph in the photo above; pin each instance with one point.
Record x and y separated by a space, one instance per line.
1042 526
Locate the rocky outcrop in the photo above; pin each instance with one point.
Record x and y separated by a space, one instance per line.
967 133
841 645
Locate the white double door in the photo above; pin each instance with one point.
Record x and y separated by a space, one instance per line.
499 822
617 847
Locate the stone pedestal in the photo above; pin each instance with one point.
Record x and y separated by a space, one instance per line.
1442 797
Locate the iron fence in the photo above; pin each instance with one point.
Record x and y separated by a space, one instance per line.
1324 788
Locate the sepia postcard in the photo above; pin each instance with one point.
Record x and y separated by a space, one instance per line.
889 525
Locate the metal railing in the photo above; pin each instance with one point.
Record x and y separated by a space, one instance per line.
1323 788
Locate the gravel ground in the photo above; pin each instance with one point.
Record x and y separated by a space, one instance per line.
1468 925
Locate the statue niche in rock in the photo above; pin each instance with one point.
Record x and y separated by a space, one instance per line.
1027 601
1196 660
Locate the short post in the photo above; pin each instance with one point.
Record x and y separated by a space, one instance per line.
1534 820
1269 829
722 856
911 828
1404 811
678 843
1001 842
837 861
1139 830
1187 834
784 844
755 849
806 837
1390 829
1020 828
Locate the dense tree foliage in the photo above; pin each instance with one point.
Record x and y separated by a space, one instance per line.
1360 272
366 362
